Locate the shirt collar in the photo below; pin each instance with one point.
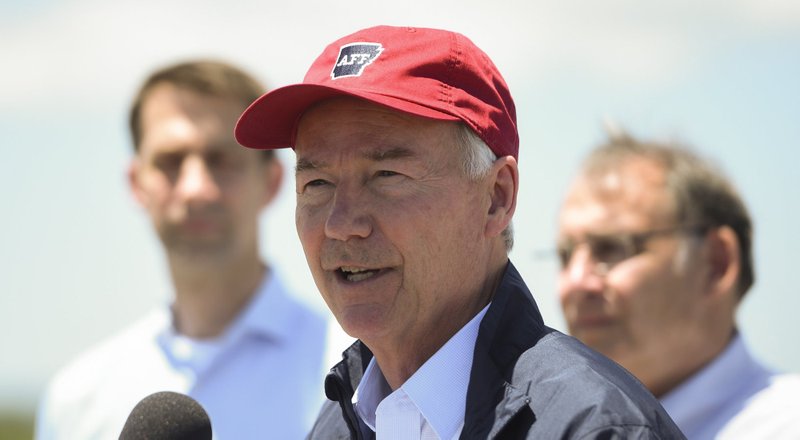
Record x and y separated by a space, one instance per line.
267 316
438 388
372 389
712 386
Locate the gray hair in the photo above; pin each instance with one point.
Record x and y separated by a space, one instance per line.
703 195
476 161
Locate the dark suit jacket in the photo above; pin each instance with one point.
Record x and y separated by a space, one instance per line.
527 381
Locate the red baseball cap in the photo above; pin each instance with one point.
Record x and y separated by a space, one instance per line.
431 73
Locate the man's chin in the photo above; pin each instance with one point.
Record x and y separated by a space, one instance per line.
600 338
200 251
366 322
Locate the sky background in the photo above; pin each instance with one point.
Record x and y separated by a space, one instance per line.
78 259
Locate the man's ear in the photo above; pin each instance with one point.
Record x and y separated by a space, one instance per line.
504 181
273 179
134 181
725 261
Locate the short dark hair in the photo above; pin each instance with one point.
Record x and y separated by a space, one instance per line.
703 194
207 77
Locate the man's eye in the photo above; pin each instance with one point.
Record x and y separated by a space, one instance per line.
609 250
217 160
168 162
565 254
316 183
386 173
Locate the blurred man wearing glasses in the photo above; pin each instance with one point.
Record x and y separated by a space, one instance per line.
655 248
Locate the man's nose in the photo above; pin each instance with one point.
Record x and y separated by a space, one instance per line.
348 216
196 182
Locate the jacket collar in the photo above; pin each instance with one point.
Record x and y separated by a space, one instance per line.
343 379
511 325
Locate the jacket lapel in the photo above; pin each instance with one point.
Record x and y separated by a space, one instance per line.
511 326
341 382
507 410
492 403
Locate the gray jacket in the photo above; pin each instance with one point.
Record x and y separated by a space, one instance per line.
528 381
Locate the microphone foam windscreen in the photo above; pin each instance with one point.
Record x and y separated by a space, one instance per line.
167 416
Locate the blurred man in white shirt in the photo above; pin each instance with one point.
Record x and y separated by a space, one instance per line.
232 337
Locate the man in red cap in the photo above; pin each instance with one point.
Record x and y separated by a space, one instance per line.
406 181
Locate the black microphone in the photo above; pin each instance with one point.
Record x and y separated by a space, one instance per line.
167 416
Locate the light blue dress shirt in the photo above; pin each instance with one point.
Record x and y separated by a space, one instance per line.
263 378
735 397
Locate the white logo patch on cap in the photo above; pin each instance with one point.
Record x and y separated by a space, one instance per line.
354 57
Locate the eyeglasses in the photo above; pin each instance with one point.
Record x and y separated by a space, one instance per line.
607 250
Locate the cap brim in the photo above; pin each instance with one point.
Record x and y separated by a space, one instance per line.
271 121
